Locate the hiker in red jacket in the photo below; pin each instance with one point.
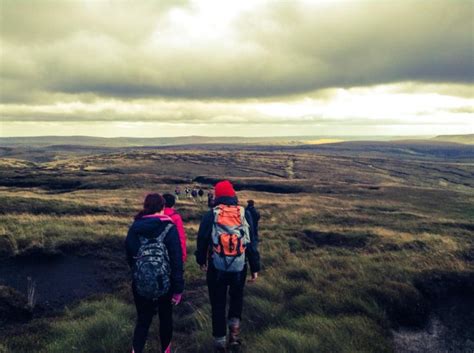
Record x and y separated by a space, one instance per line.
177 220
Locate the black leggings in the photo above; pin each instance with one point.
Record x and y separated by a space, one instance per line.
218 283
146 309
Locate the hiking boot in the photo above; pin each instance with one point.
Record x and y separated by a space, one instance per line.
168 350
220 349
219 345
234 334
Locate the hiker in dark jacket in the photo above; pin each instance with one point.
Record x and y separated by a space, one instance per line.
200 193
149 224
210 199
218 281
255 215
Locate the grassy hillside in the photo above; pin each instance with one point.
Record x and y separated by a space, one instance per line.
467 139
353 246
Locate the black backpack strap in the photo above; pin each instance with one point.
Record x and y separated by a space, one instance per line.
161 237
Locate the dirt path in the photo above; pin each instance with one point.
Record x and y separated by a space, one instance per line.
290 173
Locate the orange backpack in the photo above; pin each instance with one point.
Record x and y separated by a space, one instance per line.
230 237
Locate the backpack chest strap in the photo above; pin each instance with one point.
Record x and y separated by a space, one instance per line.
163 234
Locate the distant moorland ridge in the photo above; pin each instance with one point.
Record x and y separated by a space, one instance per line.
194 140
467 139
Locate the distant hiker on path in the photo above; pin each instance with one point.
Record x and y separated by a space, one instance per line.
177 192
225 241
177 220
210 200
194 194
255 215
201 194
154 254
187 192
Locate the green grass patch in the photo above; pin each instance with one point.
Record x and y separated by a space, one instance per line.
51 232
93 327
14 205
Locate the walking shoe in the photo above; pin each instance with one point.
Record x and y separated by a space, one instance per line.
234 332
220 349
219 345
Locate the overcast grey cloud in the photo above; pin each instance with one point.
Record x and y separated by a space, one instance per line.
208 61
277 48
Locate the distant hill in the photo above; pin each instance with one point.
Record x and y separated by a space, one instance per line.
42 141
39 150
467 139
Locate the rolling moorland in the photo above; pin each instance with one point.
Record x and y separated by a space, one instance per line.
366 246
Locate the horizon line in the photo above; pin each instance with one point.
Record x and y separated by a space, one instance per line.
238 136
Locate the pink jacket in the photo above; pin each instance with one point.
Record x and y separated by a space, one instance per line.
176 218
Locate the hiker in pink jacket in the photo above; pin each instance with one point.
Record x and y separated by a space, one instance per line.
170 200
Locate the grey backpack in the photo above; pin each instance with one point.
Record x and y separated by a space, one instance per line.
230 237
151 273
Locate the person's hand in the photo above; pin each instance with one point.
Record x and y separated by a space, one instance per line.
254 277
176 298
203 268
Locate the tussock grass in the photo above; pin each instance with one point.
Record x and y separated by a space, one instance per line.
314 333
93 327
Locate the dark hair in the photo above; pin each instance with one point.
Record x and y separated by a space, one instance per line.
153 203
251 202
170 200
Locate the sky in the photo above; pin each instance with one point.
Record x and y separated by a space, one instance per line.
236 68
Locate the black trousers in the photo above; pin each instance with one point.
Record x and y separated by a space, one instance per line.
218 284
146 309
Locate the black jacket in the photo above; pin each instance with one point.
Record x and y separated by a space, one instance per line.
155 226
255 217
204 240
